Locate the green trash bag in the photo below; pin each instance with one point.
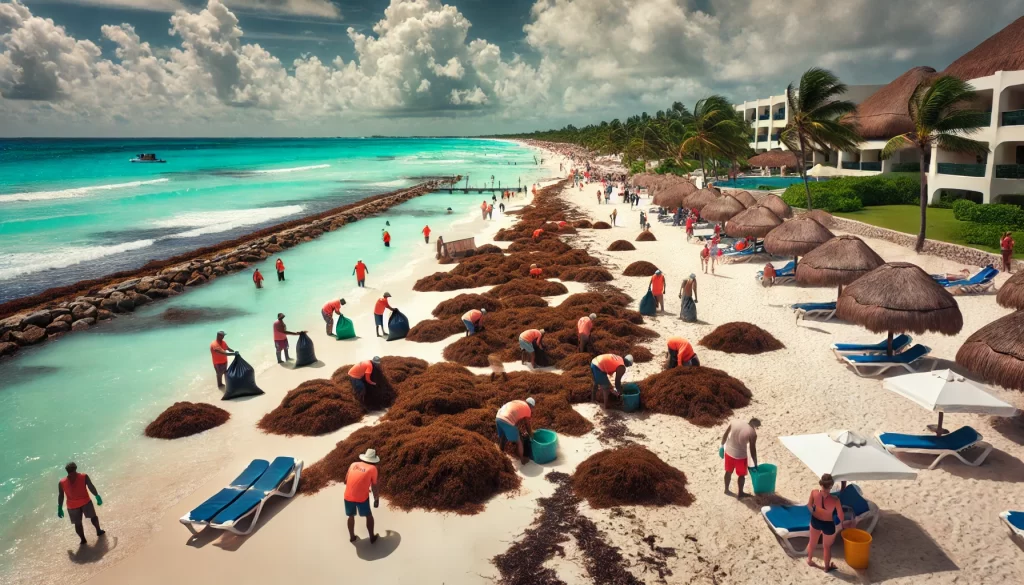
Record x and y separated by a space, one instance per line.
648 304
345 328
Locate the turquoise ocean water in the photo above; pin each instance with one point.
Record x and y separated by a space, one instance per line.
88 396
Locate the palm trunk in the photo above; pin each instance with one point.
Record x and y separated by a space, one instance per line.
925 163
703 170
803 173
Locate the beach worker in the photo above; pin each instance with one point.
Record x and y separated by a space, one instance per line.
497 367
529 343
615 214
257 278
76 487
360 481
281 334
360 271
537 232
688 295
583 329
510 416
768 276
680 353
739 435
360 375
599 197
490 211
220 351
328 311
705 257
824 508
1006 245
643 219
658 288
386 236
601 369
689 226
501 206
426 234
378 314
474 321
483 209
279 265
535 272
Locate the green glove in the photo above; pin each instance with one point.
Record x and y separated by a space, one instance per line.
99 500
60 511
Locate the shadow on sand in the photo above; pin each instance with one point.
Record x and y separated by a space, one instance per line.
93 553
386 544
232 542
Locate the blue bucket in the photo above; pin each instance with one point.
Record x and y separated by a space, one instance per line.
544 446
630 397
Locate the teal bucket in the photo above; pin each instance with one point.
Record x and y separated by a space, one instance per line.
544 446
762 478
630 397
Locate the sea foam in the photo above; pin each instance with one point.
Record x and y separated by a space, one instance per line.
74 192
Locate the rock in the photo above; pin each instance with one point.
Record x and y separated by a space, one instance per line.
108 305
197 280
273 248
65 318
177 287
58 327
126 305
59 311
219 270
273 239
7 348
81 324
31 335
10 324
159 293
128 284
141 299
251 258
105 292
117 297
104 315
83 311
182 277
143 287
38 318
160 284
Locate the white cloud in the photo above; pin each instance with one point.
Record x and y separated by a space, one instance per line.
149 5
316 8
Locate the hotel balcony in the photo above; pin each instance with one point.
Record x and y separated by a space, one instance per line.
962 169
1013 118
763 117
1013 171
779 116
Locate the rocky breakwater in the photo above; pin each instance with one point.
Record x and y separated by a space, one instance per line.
88 304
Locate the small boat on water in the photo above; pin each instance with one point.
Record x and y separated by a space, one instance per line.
147 158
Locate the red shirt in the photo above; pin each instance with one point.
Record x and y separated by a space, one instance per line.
530 335
658 284
361 271
361 370
76 491
358 479
219 358
684 351
473 316
1006 243
280 266
426 231
279 334
332 307
536 272
537 233
382 303
584 326
387 237
608 363
257 277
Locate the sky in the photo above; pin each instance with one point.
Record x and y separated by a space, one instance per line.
125 68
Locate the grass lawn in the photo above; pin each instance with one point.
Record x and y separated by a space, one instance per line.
941 224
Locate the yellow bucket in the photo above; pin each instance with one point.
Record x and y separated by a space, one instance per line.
857 547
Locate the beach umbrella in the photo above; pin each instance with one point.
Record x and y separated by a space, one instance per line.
820 170
819 215
1011 294
996 352
846 456
743 197
945 391
699 199
899 297
773 159
673 194
837 262
721 209
754 222
777 205
796 237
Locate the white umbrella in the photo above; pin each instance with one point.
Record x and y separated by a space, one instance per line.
846 456
820 170
945 391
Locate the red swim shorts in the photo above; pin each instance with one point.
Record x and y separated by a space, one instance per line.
737 465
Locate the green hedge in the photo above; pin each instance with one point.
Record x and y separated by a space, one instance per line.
983 234
989 214
853 193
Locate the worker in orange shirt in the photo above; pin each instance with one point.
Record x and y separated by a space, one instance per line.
426 234
378 314
490 211
257 278
279 265
658 288
535 272
680 353
360 375
76 487
529 342
601 369
583 329
220 351
328 311
474 321
537 233
384 235
483 210
360 271
510 416
360 480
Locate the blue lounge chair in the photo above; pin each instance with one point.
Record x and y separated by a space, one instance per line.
203 513
783 275
788 522
274 482
952 444
823 311
980 282
899 343
878 364
1015 522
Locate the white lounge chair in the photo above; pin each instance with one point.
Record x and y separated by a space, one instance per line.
899 343
952 444
823 311
877 364
789 522
274 482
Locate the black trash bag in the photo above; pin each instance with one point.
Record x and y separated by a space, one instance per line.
543 359
398 325
304 354
241 380
649 304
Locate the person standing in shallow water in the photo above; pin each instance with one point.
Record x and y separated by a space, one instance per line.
426 234
76 486
220 351
279 265
386 237
360 271
257 278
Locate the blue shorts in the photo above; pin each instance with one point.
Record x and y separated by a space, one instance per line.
358 385
507 431
600 378
378 320
469 326
362 507
526 346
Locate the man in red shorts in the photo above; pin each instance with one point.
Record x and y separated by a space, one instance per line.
739 435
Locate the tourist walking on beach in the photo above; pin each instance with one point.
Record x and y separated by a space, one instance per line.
76 487
535 272
768 275
614 214
361 480
360 271
688 295
257 278
474 321
824 508
220 351
483 209
705 257
378 314
279 265
689 227
601 369
384 235
501 206
360 375
738 437
329 310
490 211
426 234
599 197
658 288
281 334
680 353
1006 245
510 416
530 342
584 327
643 219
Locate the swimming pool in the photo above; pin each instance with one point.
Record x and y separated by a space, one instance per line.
753 183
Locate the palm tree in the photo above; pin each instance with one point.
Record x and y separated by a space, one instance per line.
713 130
942 116
816 119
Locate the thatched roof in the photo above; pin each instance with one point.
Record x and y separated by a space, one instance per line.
1003 51
675 183
837 262
1011 294
885 113
643 179
796 237
755 222
698 199
774 158
900 297
672 194
721 209
743 197
777 205
819 215
996 352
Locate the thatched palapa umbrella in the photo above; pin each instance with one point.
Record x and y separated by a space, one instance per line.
819 215
773 159
642 179
755 222
1011 294
743 197
899 297
837 262
996 352
796 237
721 209
777 205
699 199
673 194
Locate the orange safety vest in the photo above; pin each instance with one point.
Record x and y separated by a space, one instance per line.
76 491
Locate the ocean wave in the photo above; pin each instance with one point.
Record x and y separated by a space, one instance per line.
212 222
73 192
395 183
20 263
291 170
